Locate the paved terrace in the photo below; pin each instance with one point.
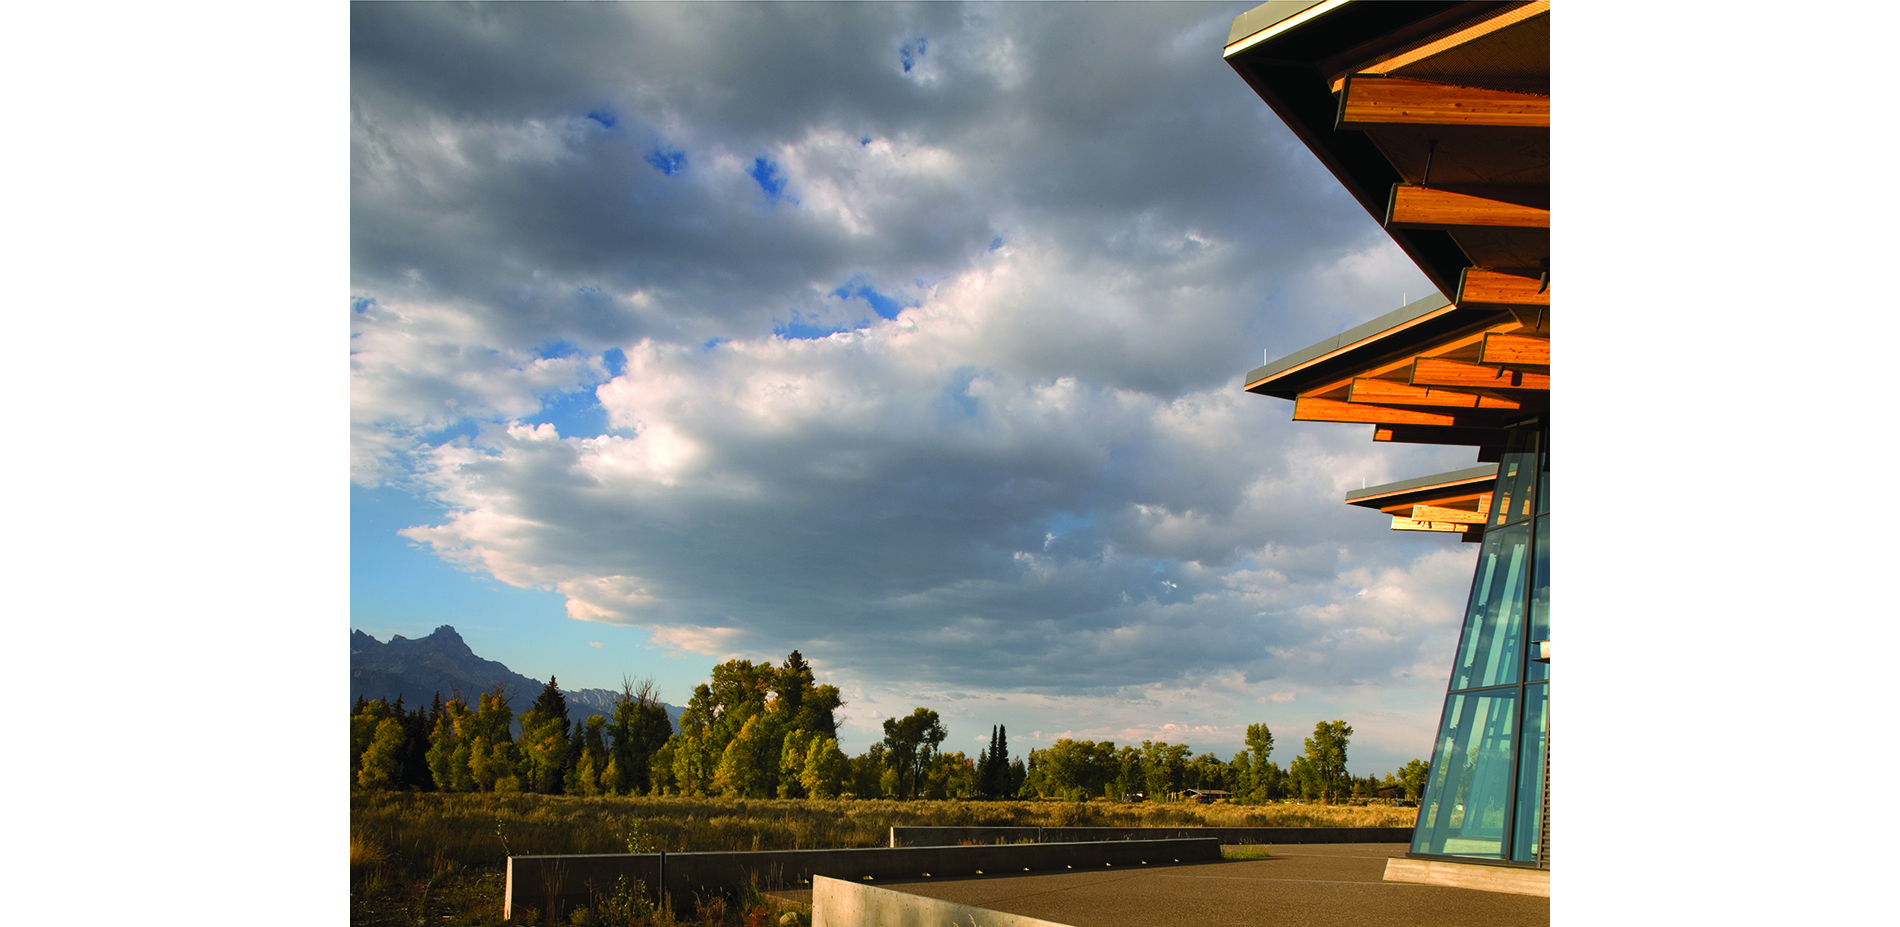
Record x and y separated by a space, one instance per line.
1311 885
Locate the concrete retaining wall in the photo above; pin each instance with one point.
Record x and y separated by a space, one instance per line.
1510 879
953 836
558 883
837 903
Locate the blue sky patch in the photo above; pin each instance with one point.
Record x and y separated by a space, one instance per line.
1062 523
959 391
996 242
883 305
575 415
913 50
560 347
716 342
864 142
360 304
766 172
606 119
463 428
807 327
615 360
667 162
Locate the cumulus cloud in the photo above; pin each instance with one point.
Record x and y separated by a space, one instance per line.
909 336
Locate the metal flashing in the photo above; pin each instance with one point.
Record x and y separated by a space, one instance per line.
1272 18
1468 475
1402 317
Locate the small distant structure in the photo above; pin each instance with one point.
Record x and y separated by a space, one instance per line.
1205 796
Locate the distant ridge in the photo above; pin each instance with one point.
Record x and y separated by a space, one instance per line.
442 662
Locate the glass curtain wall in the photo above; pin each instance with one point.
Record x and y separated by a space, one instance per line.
1484 796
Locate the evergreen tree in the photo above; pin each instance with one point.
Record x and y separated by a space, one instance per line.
999 763
415 750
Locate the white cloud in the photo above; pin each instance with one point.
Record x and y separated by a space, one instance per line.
1036 493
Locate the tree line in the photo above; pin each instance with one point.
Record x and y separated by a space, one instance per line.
757 730
1083 769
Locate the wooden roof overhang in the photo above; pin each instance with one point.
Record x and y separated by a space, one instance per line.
1452 503
1436 117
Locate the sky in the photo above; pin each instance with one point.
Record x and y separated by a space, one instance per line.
189 200
910 337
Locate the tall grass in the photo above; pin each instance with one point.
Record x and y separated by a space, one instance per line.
439 857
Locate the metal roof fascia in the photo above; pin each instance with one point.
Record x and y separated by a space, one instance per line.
1264 21
1469 474
1391 321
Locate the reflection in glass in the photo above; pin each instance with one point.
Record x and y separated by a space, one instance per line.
1540 596
1530 774
1463 809
1492 644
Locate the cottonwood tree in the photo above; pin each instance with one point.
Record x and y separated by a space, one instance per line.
1326 758
1259 747
825 768
1412 777
640 728
1166 766
908 746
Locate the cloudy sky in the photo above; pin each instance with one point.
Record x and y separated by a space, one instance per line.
911 337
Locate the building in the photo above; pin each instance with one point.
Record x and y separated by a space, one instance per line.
1436 117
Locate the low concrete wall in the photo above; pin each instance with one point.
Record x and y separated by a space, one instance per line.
837 903
1510 879
557 883
953 836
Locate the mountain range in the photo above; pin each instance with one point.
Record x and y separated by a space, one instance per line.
416 670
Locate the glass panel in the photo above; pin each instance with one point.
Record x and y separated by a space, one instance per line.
1492 643
1463 809
1511 502
1543 476
1540 597
1530 774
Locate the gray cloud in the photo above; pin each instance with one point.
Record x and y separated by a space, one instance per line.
1041 474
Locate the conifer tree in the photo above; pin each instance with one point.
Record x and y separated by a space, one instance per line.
999 761
986 785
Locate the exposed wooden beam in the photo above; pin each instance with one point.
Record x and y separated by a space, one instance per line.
1515 349
1401 523
1315 409
1412 206
1477 286
1440 513
1388 392
1460 502
1374 101
1428 434
1435 372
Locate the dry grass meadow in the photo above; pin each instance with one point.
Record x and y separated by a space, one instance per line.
438 859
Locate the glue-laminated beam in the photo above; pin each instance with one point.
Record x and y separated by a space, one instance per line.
1482 287
1440 513
1412 206
1401 523
1316 409
1436 372
1515 349
1375 101
1388 392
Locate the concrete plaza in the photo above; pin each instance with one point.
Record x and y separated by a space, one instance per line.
1313 885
